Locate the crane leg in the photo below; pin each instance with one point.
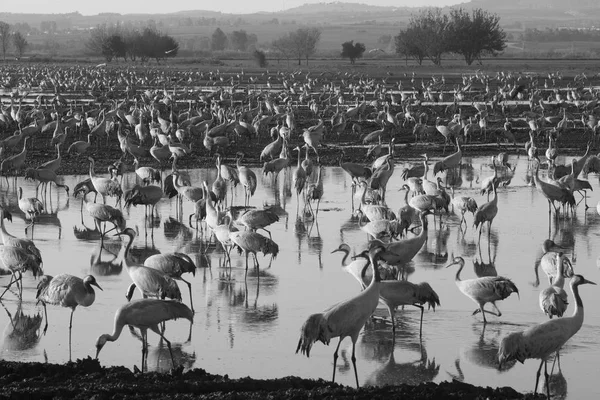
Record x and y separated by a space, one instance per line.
46 316
155 329
335 357
354 363
537 376
12 277
421 323
189 285
547 377
129 293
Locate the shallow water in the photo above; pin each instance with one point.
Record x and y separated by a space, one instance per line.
251 327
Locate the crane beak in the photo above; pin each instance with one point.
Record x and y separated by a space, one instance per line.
590 282
449 265
98 286
334 251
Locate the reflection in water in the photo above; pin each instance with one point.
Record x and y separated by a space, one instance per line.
484 353
159 359
379 346
558 385
23 332
105 262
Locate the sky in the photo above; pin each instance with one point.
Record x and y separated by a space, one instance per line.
150 6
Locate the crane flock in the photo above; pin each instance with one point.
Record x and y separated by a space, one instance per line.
228 127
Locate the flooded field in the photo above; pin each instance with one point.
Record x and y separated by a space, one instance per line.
250 326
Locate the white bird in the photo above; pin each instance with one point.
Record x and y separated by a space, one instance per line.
174 265
67 291
487 289
543 340
553 299
150 282
346 318
145 314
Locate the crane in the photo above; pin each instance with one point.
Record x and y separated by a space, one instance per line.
247 179
258 219
67 291
486 213
44 176
542 340
450 162
174 265
145 314
105 213
30 206
17 260
14 163
146 195
10 240
149 281
553 299
219 186
315 191
105 186
549 259
346 318
299 177
252 242
487 289
396 293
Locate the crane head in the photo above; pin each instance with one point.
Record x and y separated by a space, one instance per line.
100 343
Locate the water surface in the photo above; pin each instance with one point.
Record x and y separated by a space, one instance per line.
251 327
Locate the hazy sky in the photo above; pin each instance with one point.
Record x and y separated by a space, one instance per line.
153 6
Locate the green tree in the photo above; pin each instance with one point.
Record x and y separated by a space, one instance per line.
352 51
218 40
19 43
4 38
475 34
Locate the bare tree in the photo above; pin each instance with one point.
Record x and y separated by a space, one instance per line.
4 38
284 46
304 42
20 44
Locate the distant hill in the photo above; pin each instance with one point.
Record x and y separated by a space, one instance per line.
562 5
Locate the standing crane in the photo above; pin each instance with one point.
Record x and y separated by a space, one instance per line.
299 178
30 206
17 260
486 213
219 186
315 191
105 186
67 291
149 281
174 265
553 299
10 240
105 213
258 219
487 289
396 293
247 179
542 340
252 242
549 259
346 318
145 314
14 163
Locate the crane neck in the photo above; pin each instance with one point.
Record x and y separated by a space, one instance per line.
578 312
461 265
559 279
344 259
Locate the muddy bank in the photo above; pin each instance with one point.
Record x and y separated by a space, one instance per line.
87 379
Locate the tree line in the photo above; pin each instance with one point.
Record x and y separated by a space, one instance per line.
114 42
11 39
560 35
431 34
